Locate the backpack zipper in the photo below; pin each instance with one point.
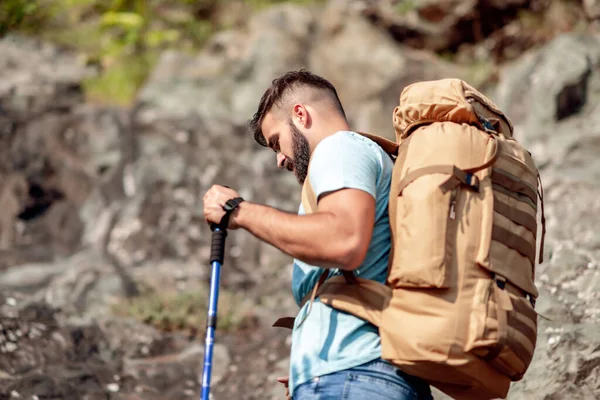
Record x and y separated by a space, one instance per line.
453 195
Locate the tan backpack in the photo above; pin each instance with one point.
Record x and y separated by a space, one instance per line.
458 306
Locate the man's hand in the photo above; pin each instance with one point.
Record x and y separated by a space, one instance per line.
285 380
214 200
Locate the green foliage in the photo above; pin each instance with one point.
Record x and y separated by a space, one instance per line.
125 37
183 311
259 4
119 83
403 7
13 14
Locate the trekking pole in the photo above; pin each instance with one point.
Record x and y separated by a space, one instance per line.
217 252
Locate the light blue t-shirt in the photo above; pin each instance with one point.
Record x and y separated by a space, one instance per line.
330 340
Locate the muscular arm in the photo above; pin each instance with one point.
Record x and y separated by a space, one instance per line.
337 235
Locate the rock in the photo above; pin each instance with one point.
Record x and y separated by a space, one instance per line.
88 288
134 339
84 284
584 203
556 114
47 357
29 277
36 77
565 365
551 84
13 192
193 104
162 161
102 153
552 96
441 26
223 83
336 40
56 149
98 201
504 4
375 68
592 8
165 369
425 24
97 215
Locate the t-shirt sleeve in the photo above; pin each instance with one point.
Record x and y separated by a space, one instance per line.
342 161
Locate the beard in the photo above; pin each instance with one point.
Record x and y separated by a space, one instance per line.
301 152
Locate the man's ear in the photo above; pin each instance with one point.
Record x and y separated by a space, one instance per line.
301 116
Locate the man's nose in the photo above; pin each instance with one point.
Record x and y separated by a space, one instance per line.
280 160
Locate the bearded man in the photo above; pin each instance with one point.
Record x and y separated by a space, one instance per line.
334 355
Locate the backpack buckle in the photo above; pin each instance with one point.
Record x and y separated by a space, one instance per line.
531 300
500 281
457 177
472 181
486 124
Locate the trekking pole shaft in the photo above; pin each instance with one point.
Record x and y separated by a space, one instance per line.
211 325
217 252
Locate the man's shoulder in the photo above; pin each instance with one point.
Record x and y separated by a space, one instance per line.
346 160
347 137
347 143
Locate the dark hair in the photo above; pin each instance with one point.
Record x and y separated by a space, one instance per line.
276 91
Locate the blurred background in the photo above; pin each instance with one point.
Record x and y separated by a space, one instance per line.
117 115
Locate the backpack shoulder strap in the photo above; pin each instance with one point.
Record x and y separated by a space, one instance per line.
387 145
309 198
309 203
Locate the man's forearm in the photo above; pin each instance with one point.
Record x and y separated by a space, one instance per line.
317 239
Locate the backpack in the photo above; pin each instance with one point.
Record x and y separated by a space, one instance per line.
458 306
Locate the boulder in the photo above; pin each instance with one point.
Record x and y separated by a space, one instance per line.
592 8
368 67
99 202
440 25
552 96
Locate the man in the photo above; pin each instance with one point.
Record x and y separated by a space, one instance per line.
333 354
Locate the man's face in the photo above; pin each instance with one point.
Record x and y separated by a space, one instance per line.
290 144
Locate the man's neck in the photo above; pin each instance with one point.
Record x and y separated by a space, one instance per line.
330 130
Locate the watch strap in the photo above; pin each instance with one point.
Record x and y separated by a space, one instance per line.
229 207
232 204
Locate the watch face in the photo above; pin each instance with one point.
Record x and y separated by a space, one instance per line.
231 204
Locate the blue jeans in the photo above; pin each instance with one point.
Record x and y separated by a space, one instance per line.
375 380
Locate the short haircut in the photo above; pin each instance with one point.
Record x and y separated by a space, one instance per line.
278 91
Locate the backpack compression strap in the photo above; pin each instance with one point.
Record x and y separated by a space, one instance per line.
457 176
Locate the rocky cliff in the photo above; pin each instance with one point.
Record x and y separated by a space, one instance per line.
101 206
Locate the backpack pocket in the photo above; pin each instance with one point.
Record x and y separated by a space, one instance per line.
434 200
502 328
424 227
509 225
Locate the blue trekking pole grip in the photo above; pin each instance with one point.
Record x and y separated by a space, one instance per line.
217 252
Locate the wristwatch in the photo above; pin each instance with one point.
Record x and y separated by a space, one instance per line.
232 204
229 206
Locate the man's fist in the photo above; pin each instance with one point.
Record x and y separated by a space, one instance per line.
214 200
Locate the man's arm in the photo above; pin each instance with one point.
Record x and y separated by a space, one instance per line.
343 174
337 235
